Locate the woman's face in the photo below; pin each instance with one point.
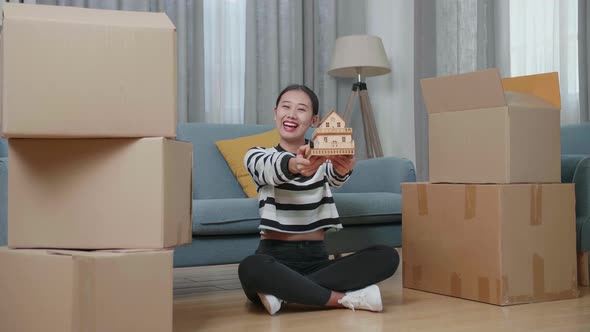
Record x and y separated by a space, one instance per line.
293 116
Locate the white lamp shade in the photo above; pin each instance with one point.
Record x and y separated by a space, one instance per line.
359 54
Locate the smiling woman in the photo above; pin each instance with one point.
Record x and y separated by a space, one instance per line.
296 110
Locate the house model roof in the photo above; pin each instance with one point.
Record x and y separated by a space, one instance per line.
325 129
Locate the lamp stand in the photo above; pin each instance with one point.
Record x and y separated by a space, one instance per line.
373 144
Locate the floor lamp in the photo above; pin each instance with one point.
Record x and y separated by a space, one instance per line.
360 56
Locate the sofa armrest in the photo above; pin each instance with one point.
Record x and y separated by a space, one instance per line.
582 180
569 162
379 175
3 201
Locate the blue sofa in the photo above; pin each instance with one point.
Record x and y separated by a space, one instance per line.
225 221
575 150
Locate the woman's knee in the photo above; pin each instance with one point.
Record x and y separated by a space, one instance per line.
388 259
252 266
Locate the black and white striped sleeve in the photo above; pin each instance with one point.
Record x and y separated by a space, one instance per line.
334 179
268 166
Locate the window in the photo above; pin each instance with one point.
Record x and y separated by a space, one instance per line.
327 124
325 139
338 124
544 38
224 27
343 139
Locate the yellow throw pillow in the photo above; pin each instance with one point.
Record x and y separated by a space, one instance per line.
234 150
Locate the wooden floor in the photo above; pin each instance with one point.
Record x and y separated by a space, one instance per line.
210 299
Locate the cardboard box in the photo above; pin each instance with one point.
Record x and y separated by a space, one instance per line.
99 193
500 244
486 130
72 291
77 72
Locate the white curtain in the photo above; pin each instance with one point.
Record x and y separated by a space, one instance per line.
544 38
224 31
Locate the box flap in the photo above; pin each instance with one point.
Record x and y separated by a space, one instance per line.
527 100
87 16
544 86
481 89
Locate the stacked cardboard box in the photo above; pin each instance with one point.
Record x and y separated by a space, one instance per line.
495 224
96 183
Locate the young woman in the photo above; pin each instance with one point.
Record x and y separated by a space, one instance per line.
291 263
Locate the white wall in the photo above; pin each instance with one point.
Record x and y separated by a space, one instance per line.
392 95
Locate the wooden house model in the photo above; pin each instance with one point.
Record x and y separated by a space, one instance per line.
332 137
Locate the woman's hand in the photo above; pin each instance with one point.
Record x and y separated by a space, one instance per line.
343 164
304 166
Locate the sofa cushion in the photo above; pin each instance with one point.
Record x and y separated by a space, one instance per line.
234 150
225 216
231 216
368 208
212 178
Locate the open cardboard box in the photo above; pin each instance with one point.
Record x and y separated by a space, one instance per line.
483 129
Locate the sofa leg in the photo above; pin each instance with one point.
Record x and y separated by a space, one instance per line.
583 269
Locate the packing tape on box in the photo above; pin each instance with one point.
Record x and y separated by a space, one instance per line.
470 200
483 286
422 200
84 283
455 284
536 204
539 293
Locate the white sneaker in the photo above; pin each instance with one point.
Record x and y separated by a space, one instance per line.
270 302
368 298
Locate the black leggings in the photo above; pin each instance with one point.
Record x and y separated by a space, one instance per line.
300 271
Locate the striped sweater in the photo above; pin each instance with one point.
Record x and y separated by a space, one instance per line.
292 203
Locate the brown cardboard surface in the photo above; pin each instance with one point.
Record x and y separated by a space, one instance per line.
475 90
71 291
500 244
99 193
457 140
534 148
178 162
77 72
479 134
538 242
